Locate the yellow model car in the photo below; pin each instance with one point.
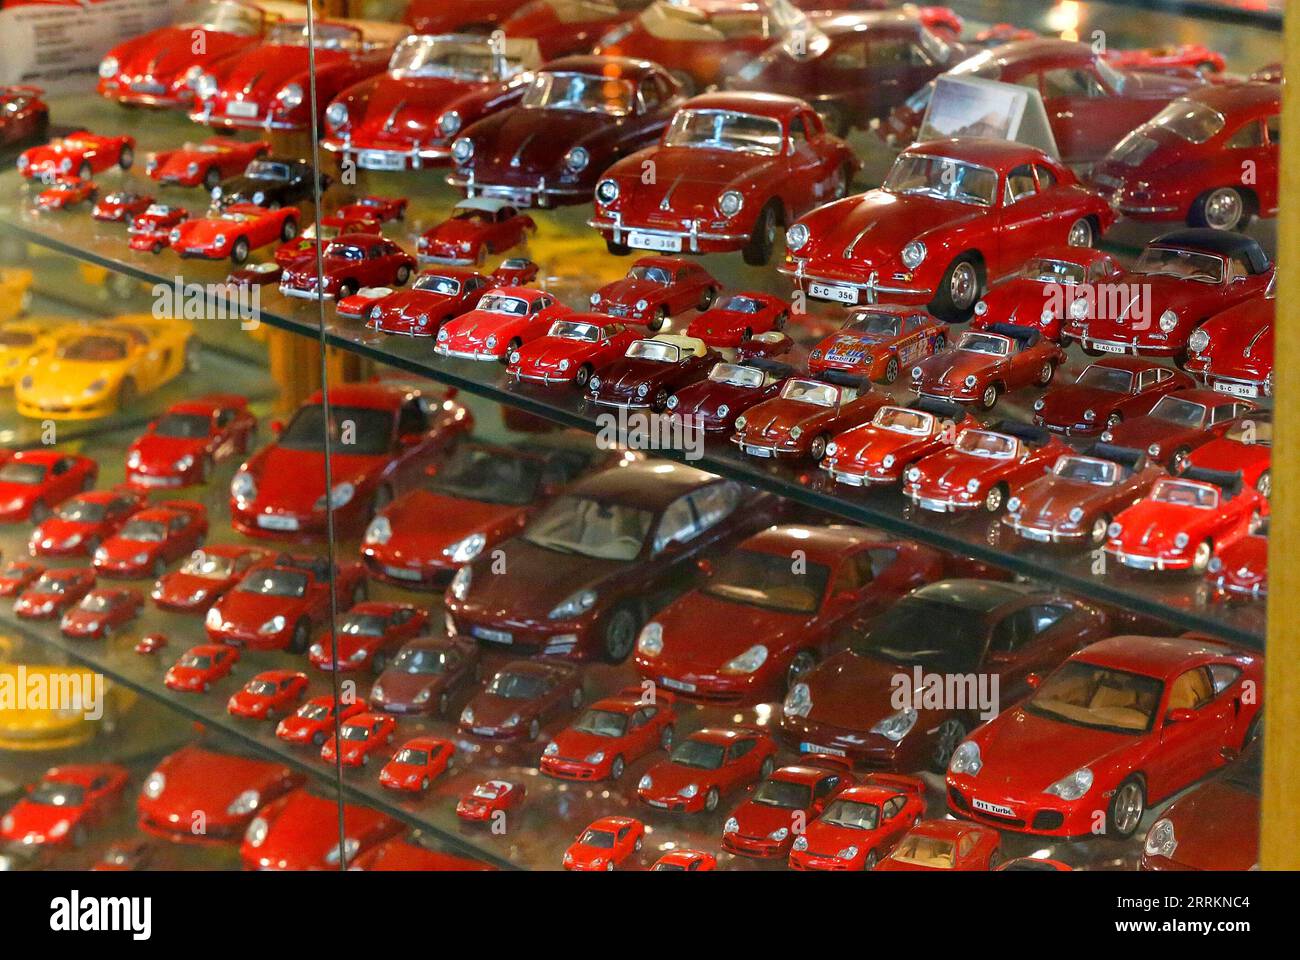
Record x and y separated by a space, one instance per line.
27 727
15 292
102 367
21 342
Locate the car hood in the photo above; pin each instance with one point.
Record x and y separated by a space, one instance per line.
199 779
73 377
775 418
875 226
260 73
531 140
630 289
295 479
164 451
852 692
622 377
704 632
411 304
952 367
491 710
1051 498
706 396
1153 526
547 352
166 53
1216 827
304 829
1141 432
414 534
405 108
1027 753
551 577
761 819
689 180
402 688
1067 403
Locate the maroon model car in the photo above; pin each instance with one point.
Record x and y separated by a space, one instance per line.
1105 393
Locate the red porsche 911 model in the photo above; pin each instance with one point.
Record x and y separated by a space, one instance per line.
67 802
53 592
17 575
314 720
235 232
1105 394
514 272
205 576
358 737
860 825
612 733
605 845
82 154
688 860
764 825
417 763
1173 58
982 469
269 693
945 845
305 245
951 217
737 317
1179 423
706 766
800 421
655 289
1214 826
502 321
368 635
203 164
374 207
730 389
33 482
1121 725
489 800
121 206
153 538
65 192
520 698
426 674
877 343
151 231
185 444
300 831
200 667
760 622
436 296
99 613
1048 289
1232 352
477 228
348 263
730 171
882 451
572 350
82 522
987 363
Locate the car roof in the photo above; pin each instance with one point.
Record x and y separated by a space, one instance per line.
802 773
819 542
79 773
1229 97
837 22
378 396
616 822
41 456
1224 243
947 829
1132 364
972 594
763 104
489 204
275 675
721 735
610 68
208 403
1160 657
1209 398
649 484
985 151
668 263
1027 52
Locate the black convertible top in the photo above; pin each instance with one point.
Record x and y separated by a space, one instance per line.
1028 336
1229 481
1225 243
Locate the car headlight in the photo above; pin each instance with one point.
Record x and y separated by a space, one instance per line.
184 463
101 554
914 474
897 725
1161 841
575 605
491 341
685 792
65 164
779 834
1073 786
246 802
340 496
970 381
562 366
1078 309
796 237
1115 529
192 169
212 619
462 151
463 551
174 236
730 203
443 334
740 422
917 373
1181 541
607 191
449 123
981 308
380 530
290 96
316 650
154 784
1153 450
220 239
274 625
96 386
594 299
1090 415
1076 514
108 67
642 389
966 759
357 656
258 197
552 749
800 843
1013 505
513 720
673 402
256 833
747 662
848 853
1168 320
731 826
467 716
1197 343
887 461
460 583
651 641
243 486
336 114
645 783
594 383
141 557
641 305
576 160
206 86
913 254
596 757
972 485
348 850
798 702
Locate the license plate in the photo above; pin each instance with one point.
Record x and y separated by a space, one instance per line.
494 636
484 731
658 803
275 521
1107 347
833 291
994 808
681 685
852 479
758 451
806 747
653 241
837 357
1030 533
241 108
1236 389
521 198
938 506
146 86
1139 563
401 573
380 160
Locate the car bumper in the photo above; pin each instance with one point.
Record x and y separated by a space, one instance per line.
524 195
869 750
803 860
762 848
67 410
567 639
952 502
690 238
1044 815
856 475
1044 534
769 449
1121 348
445 351
1149 561
388 158
563 769
674 803
712 687
851 291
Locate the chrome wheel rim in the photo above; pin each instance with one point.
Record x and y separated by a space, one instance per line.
1223 209
1201 560
1128 808
990 395
621 636
962 286
994 499
1265 484
1099 527
950 734
1080 234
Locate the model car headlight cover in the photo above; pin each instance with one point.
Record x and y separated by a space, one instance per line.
350 846
642 389
336 114
798 702
1153 450
256 833
274 625
574 606
154 784
913 254
897 725
206 86
513 721
596 757
380 530
966 759
1161 841
731 826
1075 514
1078 310
463 551
1013 504
552 749
972 485
641 304
1168 320
462 151
108 67
651 641
340 496
779 834
645 783
970 380
740 422
848 853
576 160
467 716
184 463
686 792
1072 787
1181 541
96 386
800 843
246 802
1115 529
981 308
460 583
290 96
796 237
606 192
730 203
1198 341
747 662
449 123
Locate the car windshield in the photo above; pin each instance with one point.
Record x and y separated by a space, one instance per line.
725 130
488 791
811 391
81 511
447 286
569 330
852 814
275 583
93 349
428 662
942 637
144 531
96 602
209 566
327 36
344 251
901 420
517 686
591 528
925 851
260 688
23 474
783 793
579 92
655 350
488 476
267 170
1252 431
1106 378
1194 122
1184 493
942 178
356 731
1047 270
1101 473
1088 695
986 343
314 711
699 754
982 443
768 580
600 839
363 625
650 274
52 583
197 661
1184 413
412 755
874 325
736 375
53 794
369 431
238 18
473 61
182 426
498 303
1183 264
602 723
158 210
740 304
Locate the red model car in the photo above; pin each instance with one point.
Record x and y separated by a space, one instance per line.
572 350
205 576
951 216
121 206
655 289
982 469
304 246
267 694
435 85
1105 393
477 227
1187 162
384 437
1184 521
761 621
514 272
347 264
730 389
1100 734
502 321
1232 352
234 232
1046 288
436 296
1184 278
861 824
730 171
945 845
765 824
578 115
612 733
65 804
425 674
987 363
688 860
33 482
562 28
707 765
150 643
314 720
415 855
1172 58
878 342
17 575
417 763
358 737
135 854
151 231
373 207
185 444
99 613
605 845
520 697
277 604
153 538
66 191
1179 422
1214 826
368 635
82 154
1076 502
204 164
1246 448
1240 571
737 317
53 592
82 522
801 420
200 667
490 799
883 450
24 116
301 832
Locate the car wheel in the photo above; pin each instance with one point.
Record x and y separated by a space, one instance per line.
79 836
444 704
711 799
869 861
1126 809
359 593
318 738
706 299
39 512
301 634
1201 558
91 546
660 402
511 347
126 158
1097 535
582 376
616 768
1264 484
958 290
802 662
378 662
424 784
817 448
989 397
575 698
765 771
205 470
480 255
347 288
1081 233
159 567
758 251
995 498
891 371
1178 461
365 759
666 737
157 248
656 323
617 249
1114 420
239 252
403 274
1045 373
85 172
211 178
1254 730
950 733
534 729
1223 208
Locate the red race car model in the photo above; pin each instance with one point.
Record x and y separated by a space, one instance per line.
1105 393
153 538
612 733
655 289
801 420
731 169
417 763
982 469
1179 422
764 825
477 227
882 451
53 592
66 191
267 694
945 845
1214 826
572 350
425 675
1246 447
730 389
82 522
707 765
24 116
99 613
82 154
121 206
277 604
1043 291
1232 352
205 576
951 216
861 825
127 855
314 720
368 635
987 363
185 444
520 697
200 667
67 802
17 575
33 482
204 164
605 845
150 643
385 435
436 296
234 232
501 322
348 263
688 860
151 231
879 342
1184 521
1117 704
417 855
1173 58
300 831
737 317
489 800
373 207
1187 162
358 737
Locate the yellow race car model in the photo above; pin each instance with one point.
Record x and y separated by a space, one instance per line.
28 722
102 367
21 342
15 292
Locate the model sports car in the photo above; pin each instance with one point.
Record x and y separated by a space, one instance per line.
879 342
477 228
204 164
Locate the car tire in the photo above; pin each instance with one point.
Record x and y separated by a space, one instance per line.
126 157
616 767
660 402
403 274
870 860
1126 808
1201 558
1046 373
211 178
318 738
959 289
205 470
711 799
765 770
707 298
159 567
800 664
346 289
996 498
1097 534
1114 420
758 251
581 377
619 633
39 513
444 704
378 662
666 738
1223 208
359 593
1264 485
424 784
1081 233
656 323
891 370
950 733
511 347
534 729
79 836
301 635
575 698
239 252
617 249
817 446
989 398
1178 460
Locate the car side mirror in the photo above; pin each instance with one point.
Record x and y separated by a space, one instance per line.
1033 680
1180 715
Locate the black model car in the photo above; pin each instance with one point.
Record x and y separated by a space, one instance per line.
270 182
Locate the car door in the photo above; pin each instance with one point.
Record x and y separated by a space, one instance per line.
1192 730
1024 214
1086 117
1249 148
893 824
641 737
738 766
1266 179
822 792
